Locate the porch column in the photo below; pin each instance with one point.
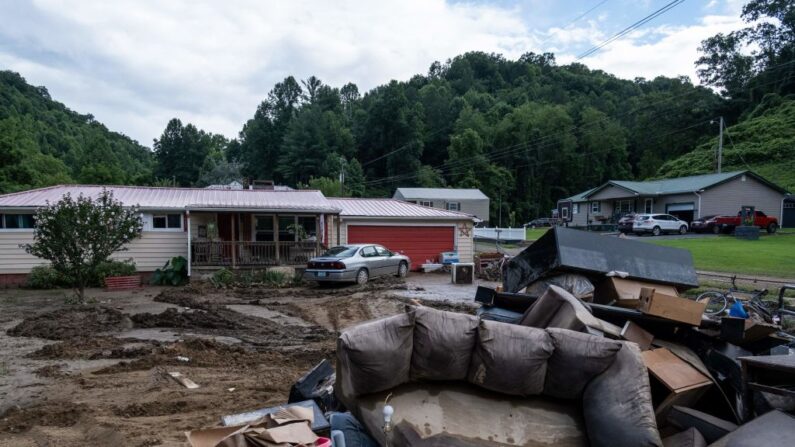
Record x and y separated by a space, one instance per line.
234 242
337 219
276 235
190 255
319 232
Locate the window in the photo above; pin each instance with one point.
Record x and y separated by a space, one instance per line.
167 221
565 212
596 207
648 206
453 206
575 209
382 251
16 221
624 206
369 252
263 230
427 203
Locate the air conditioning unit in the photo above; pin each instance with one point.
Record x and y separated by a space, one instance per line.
463 273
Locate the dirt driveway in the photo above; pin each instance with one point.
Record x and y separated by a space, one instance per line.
95 375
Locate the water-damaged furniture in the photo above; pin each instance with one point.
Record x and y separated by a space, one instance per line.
454 380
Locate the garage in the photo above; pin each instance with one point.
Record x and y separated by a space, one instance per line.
683 211
420 244
419 232
788 218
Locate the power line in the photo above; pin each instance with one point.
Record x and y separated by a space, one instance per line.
575 20
634 26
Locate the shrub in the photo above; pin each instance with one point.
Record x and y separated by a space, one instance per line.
77 235
273 278
174 272
45 277
113 268
222 278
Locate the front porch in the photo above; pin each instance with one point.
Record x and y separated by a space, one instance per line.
254 239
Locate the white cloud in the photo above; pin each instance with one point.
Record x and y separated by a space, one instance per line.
135 64
660 51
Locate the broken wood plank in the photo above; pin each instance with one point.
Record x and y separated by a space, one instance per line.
184 381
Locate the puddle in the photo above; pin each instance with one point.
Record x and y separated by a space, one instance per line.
268 314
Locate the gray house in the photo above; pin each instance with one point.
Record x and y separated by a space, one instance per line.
688 198
470 201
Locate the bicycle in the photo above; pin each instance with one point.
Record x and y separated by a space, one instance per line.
718 302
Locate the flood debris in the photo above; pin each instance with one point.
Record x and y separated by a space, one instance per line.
182 380
713 376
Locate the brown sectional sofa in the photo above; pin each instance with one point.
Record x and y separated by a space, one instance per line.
456 381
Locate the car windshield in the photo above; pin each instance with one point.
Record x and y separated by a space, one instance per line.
340 252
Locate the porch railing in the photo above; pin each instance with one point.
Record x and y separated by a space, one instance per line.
227 253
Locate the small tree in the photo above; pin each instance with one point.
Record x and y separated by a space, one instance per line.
76 236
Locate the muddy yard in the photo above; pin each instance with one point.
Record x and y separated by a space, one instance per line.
95 375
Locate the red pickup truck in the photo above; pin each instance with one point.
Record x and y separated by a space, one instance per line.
727 224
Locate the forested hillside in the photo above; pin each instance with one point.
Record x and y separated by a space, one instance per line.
43 143
763 142
528 131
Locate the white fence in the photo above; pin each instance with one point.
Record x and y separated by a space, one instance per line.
503 234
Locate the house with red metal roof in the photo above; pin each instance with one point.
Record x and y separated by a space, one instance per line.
242 228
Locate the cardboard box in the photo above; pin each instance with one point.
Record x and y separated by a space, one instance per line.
670 307
626 292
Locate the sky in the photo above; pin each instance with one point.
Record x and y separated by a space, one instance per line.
135 64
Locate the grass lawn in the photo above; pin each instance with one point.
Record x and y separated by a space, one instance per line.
535 233
769 256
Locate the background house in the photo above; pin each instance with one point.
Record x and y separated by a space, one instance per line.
470 201
242 228
688 198
419 232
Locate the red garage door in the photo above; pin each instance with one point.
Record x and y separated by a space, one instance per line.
418 243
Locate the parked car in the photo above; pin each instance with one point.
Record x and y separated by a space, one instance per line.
657 224
706 224
542 222
727 224
625 223
356 263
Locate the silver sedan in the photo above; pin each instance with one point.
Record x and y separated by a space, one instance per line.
356 263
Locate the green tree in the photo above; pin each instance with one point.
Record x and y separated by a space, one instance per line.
181 152
78 235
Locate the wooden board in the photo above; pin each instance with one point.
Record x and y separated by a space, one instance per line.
676 374
637 334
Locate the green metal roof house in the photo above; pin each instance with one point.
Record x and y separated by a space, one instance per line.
685 197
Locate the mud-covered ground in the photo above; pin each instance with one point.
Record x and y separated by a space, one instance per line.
95 375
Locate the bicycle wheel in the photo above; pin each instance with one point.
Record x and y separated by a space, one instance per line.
716 302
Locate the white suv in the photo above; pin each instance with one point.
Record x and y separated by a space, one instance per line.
657 224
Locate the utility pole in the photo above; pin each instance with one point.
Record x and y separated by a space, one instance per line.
720 144
499 204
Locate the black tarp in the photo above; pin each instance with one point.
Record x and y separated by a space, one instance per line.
562 250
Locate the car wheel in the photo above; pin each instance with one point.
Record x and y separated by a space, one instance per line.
403 270
716 229
683 230
772 228
656 231
362 276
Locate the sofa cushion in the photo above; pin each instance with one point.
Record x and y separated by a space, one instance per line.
443 344
458 413
376 355
510 359
577 359
617 404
